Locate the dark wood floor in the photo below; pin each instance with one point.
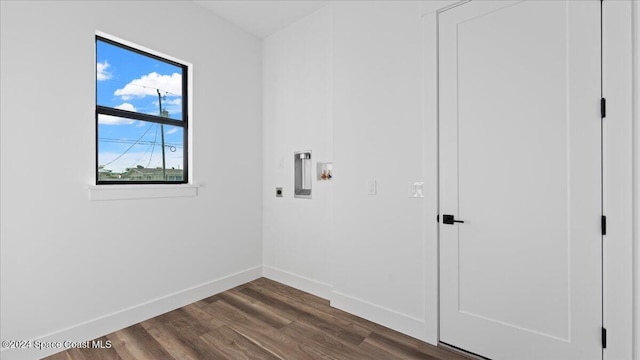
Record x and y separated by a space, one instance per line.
262 319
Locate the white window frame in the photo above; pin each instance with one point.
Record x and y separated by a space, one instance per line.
144 191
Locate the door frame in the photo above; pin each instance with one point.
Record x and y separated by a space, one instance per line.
618 178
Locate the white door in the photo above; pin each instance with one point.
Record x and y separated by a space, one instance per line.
520 164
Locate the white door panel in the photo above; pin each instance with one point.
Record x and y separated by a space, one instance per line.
520 163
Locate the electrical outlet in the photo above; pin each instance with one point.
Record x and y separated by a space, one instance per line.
372 188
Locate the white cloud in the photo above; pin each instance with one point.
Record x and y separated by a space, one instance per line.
171 131
101 71
127 106
176 101
173 106
113 120
148 84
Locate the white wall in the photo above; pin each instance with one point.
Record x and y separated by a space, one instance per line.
618 182
349 78
296 90
67 261
636 174
377 247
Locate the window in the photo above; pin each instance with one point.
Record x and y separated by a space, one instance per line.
141 116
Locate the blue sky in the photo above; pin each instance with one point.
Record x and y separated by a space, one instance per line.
129 81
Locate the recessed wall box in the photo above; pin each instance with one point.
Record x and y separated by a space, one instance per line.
302 174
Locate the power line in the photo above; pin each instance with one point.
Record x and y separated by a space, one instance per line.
145 153
141 142
145 87
141 156
155 137
138 141
132 145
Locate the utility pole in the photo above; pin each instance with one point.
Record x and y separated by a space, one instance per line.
164 174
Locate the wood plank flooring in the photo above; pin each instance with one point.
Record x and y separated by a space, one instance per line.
262 319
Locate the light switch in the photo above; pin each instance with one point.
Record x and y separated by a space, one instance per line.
371 187
419 186
416 189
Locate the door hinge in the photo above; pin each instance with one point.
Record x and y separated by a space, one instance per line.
603 108
603 223
438 218
604 338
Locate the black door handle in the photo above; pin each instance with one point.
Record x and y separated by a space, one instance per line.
449 220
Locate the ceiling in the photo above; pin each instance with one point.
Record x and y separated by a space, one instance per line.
262 17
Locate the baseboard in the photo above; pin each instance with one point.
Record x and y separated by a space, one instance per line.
314 287
392 319
109 323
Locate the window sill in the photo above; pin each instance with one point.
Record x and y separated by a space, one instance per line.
130 192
